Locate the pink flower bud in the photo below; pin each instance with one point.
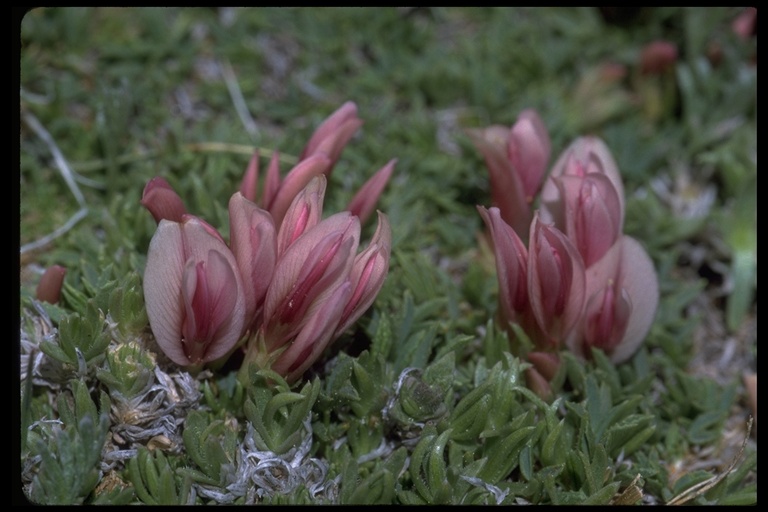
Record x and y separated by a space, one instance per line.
511 265
585 156
314 336
657 57
193 292
305 212
162 201
366 198
254 244
49 287
271 181
621 300
367 275
529 149
333 134
296 179
507 192
539 384
516 159
744 24
311 268
556 282
250 183
538 377
546 363
593 213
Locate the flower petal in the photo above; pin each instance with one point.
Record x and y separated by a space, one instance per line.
305 212
250 183
333 134
296 179
187 261
556 281
638 278
366 198
162 201
507 189
162 289
529 149
254 245
315 335
368 273
314 264
511 264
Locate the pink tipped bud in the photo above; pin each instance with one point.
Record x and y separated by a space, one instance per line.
516 159
254 244
506 185
250 183
162 201
366 198
537 383
271 181
511 265
367 275
529 149
556 281
658 57
305 212
546 363
296 179
49 287
333 134
744 24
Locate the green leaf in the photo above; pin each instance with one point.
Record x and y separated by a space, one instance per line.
503 456
69 459
603 496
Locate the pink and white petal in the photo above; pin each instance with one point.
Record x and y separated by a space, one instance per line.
313 264
315 336
368 273
529 151
296 179
556 281
507 189
638 278
227 308
162 289
511 264
305 212
253 243
198 242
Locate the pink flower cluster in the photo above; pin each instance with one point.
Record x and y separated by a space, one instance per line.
287 284
566 272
